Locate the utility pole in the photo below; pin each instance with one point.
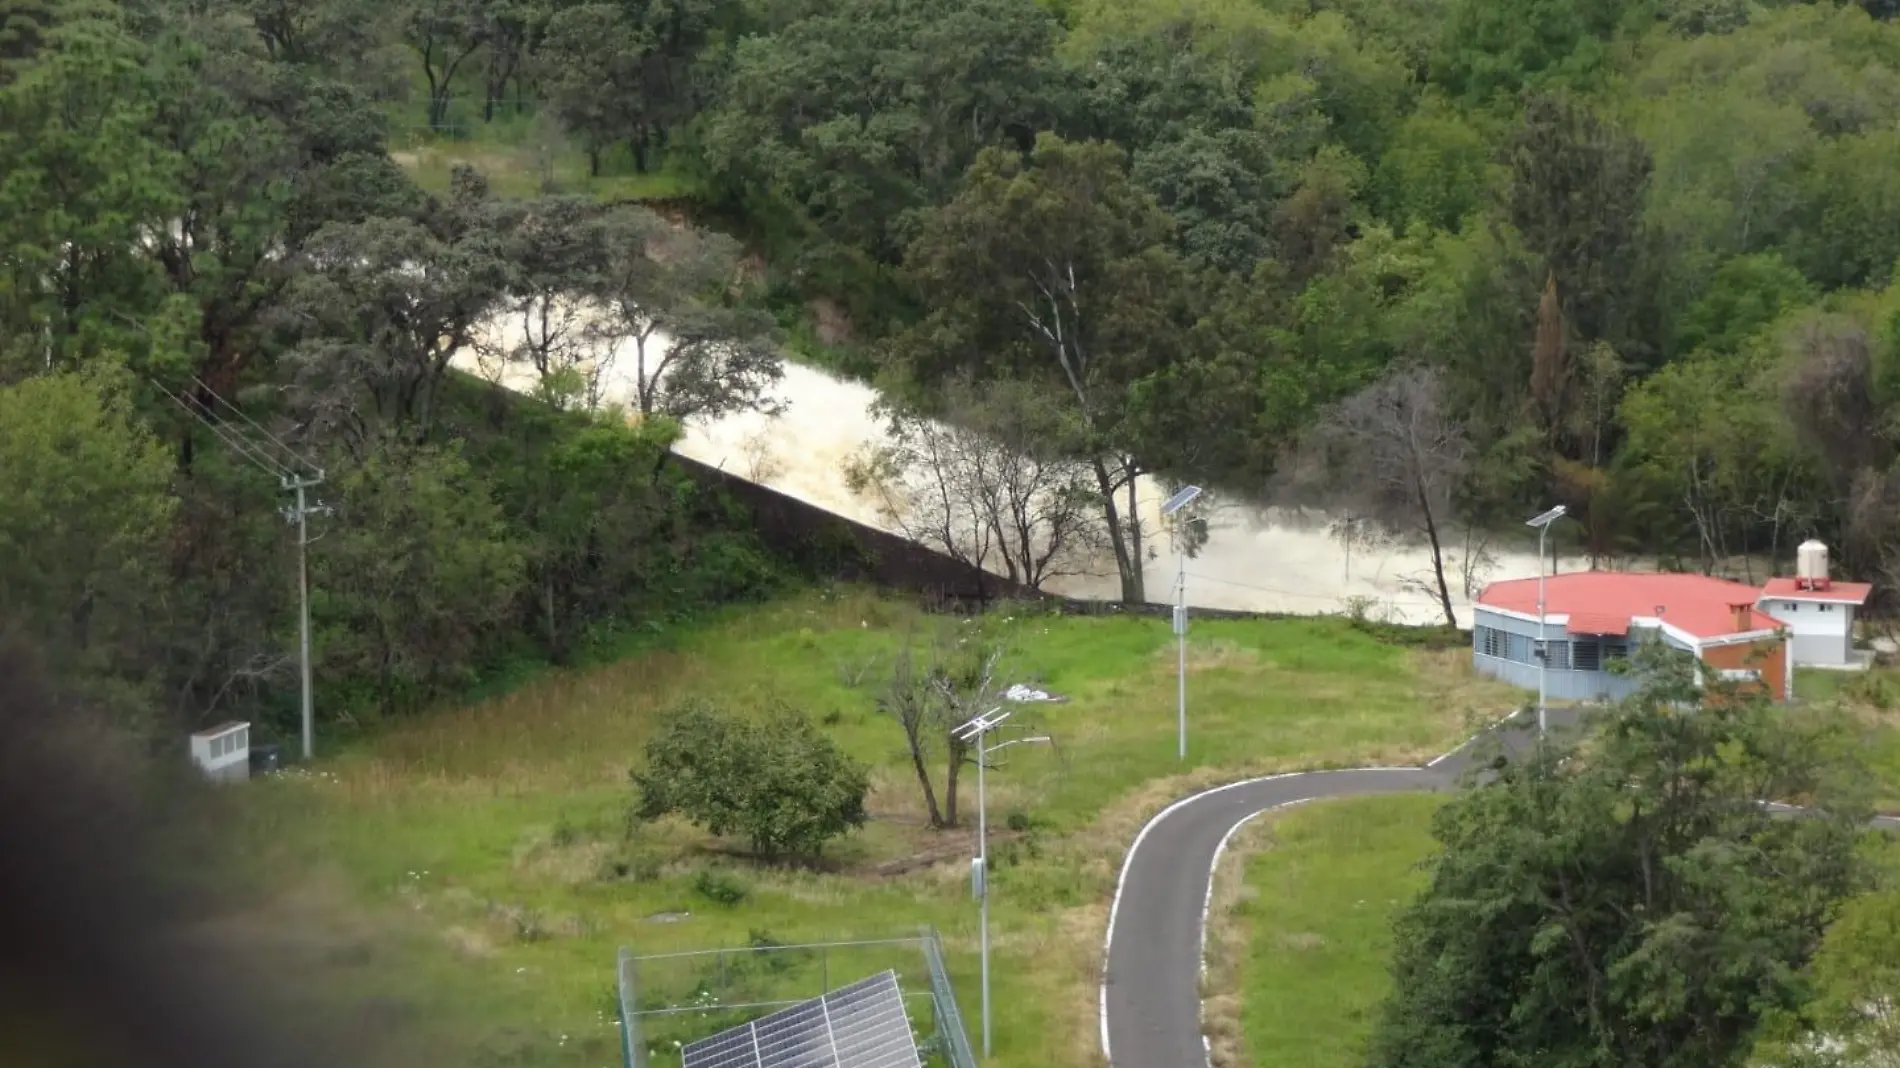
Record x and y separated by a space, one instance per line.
976 732
295 474
300 514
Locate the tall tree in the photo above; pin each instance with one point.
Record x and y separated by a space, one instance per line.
82 185
416 570
1627 899
1709 433
557 251
592 60
85 527
983 485
1057 268
508 31
1851 1020
860 113
1576 198
444 34
386 305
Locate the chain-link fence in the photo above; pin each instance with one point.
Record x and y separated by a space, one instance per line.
669 1000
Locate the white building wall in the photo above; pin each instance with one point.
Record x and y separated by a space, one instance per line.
1822 632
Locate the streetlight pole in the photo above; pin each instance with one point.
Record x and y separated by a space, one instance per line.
976 733
1181 498
1542 522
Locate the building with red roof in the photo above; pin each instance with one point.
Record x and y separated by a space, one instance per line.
1590 619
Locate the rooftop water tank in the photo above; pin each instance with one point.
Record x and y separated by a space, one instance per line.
1810 565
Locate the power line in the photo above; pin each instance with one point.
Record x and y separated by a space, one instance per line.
298 476
298 460
232 437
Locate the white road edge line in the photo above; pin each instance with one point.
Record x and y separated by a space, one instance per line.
1207 905
1128 860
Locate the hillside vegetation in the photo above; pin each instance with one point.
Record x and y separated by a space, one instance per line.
1423 264
480 868
1434 262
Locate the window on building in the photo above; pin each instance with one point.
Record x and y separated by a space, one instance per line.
1825 607
1559 655
1490 641
1586 654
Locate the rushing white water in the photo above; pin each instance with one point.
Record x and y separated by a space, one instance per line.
1255 558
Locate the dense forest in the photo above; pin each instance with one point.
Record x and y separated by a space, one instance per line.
1445 260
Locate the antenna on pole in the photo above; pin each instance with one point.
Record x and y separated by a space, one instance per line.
295 474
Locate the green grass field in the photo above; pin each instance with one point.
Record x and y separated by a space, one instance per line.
475 869
1314 916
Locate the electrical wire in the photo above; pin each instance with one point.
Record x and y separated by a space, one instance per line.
298 459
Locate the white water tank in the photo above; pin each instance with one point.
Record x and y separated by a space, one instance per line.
1810 564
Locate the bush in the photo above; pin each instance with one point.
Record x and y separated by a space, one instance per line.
781 784
719 888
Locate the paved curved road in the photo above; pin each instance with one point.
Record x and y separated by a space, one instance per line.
1151 986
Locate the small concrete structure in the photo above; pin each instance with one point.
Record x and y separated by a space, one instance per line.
1818 611
223 752
1593 618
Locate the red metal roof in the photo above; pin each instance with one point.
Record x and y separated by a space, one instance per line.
1837 592
1603 602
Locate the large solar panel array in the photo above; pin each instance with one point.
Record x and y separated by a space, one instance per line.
858 1026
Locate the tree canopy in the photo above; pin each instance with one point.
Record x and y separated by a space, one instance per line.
1628 900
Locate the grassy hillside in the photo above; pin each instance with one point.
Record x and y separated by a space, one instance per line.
477 871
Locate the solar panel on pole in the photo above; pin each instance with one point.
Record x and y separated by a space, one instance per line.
863 1025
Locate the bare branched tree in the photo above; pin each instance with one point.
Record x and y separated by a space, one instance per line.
909 698
934 687
1391 454
966 686
984 487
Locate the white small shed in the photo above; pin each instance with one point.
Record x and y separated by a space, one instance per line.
223 752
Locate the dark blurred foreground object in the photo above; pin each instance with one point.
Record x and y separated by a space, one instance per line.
99 960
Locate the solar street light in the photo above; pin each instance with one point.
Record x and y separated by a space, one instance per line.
1542 649
1181 499
975 733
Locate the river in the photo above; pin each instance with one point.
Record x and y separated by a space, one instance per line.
1256 558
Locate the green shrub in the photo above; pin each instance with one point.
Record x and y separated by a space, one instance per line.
720 888
781 784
